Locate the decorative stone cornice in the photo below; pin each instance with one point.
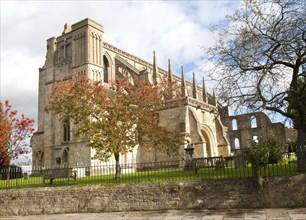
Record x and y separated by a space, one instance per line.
201 105
188 101
171 104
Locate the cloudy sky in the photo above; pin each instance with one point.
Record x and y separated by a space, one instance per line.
175 29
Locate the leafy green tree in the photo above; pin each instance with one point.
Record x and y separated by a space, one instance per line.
113 120
259 155
260 61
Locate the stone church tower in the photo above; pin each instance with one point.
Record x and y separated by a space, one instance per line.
81 50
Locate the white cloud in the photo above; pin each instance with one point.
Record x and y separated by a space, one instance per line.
19 81
176 30
213 12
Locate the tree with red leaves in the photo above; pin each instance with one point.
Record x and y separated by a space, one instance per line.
14 133
4 139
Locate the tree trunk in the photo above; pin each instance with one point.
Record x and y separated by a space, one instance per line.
255 171
118 169
300 149
8 170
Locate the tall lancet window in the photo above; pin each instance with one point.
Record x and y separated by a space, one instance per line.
106 69
66 128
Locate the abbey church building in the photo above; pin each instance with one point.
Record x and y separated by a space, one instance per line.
81 49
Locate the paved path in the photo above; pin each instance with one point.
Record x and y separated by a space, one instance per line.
269 214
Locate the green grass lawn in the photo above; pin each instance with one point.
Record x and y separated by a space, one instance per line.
159 176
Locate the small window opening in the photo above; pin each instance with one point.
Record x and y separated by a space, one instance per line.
236 144
234 125
66 127
255 139
253 122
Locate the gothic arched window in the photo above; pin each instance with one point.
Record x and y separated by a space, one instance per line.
106 69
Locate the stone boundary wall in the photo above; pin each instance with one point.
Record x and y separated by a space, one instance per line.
276 192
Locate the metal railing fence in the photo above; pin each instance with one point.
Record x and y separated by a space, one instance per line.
105 173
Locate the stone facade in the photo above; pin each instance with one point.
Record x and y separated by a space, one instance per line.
277 192
82 50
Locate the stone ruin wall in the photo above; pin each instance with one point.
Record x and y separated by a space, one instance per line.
257 126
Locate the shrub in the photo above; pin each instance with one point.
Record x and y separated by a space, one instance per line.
259 155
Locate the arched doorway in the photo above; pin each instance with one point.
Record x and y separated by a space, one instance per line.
208 143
